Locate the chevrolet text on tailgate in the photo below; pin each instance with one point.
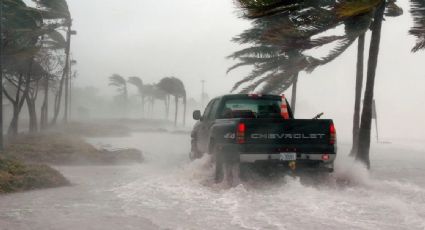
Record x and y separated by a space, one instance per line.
243 130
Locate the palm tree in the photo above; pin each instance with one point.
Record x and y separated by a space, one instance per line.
121 84
175 87
21 28
148 92
58 9
358 93
392 10
366 118
280 41
152 93
159 94
265 35
136 81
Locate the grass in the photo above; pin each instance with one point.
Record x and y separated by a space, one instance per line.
16 176
62 149
24 162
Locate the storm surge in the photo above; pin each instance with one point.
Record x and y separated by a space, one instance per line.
168 191
181 195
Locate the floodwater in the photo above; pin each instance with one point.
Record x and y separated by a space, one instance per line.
170 192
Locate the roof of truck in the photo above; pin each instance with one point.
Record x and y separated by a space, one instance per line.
264 96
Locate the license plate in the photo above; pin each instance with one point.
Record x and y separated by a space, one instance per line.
288 156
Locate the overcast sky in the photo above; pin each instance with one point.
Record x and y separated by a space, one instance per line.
190 40
152 39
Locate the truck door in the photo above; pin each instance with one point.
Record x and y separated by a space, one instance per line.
207 121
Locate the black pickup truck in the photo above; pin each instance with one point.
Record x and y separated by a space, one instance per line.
260 129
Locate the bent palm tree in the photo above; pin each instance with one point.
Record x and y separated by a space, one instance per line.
121 84
279 45
272 40
175 87
392 10
358 93
58 9
366 118
136 81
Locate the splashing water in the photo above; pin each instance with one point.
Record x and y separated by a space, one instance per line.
352 198
171 192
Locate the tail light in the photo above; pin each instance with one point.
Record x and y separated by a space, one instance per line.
325 157
240 133
332 136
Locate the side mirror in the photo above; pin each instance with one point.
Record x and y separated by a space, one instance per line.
197 115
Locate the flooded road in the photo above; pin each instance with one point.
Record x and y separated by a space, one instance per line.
169 192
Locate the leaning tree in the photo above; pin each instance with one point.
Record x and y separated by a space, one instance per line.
120 83
138 83
274 25
175 87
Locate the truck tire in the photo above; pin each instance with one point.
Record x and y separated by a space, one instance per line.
227 167
219 165
194 152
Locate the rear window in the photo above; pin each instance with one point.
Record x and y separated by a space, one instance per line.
251 108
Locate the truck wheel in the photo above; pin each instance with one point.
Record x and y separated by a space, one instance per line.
226 167
219 165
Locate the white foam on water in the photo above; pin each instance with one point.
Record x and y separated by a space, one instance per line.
182 194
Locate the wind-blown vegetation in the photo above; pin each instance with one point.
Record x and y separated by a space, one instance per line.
16 177
58 148
283 31
35 57
149 93
34 60
418 30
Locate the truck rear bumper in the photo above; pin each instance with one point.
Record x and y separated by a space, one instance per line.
267 155
304 162
252 157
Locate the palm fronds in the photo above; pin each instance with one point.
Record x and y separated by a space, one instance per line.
280 41
418 30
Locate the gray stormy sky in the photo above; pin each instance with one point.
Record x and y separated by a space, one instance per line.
152 39
190 39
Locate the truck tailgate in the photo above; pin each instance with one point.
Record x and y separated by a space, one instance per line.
294 133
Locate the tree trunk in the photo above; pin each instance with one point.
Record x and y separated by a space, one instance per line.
294 93
17 107
33 126
1 103
66 99
44 116
143 106
176 100
184 110
64 74
358 94
366 118
167 106
152 106
13 126
19 100
58 100
1 82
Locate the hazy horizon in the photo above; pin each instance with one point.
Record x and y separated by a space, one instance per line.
191 40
